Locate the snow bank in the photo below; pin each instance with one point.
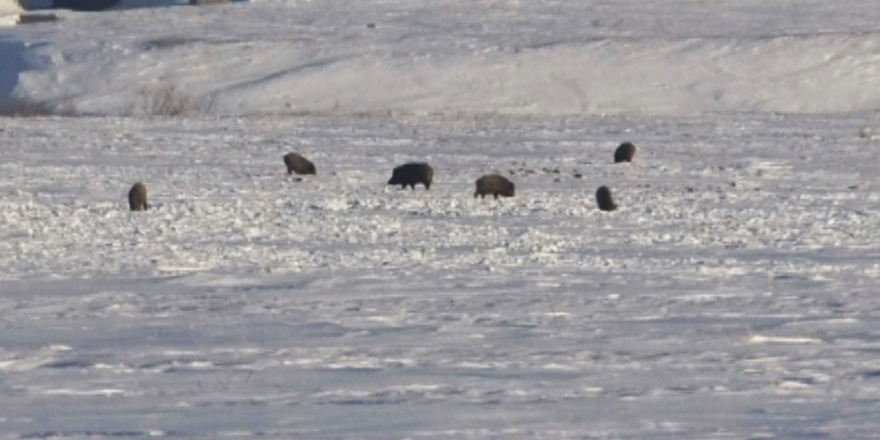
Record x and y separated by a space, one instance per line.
561 58
9 13
9 6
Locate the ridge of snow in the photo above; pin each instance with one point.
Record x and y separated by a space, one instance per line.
546 58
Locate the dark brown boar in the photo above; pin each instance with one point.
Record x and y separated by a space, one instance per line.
494 184
625 152
411 174
604 199
298 164
137 197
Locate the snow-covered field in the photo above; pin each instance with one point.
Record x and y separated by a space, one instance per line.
735 294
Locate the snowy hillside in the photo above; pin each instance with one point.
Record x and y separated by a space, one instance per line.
667 57
732 295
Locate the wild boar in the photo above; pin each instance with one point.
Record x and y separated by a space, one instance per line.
604 199
298 164
625 152
494 184
411 174
137 197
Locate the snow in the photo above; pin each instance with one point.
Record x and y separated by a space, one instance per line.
9 13
455 57
733 294
9 6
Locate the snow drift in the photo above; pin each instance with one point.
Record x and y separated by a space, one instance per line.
9 13
9 6
569 58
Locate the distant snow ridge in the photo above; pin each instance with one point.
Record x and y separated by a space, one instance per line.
450 58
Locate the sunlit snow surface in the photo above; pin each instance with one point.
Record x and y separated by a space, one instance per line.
733 295
513 57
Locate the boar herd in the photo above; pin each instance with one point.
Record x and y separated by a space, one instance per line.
413 173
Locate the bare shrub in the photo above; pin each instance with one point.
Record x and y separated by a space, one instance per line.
21 108
868 131
25 108
37 18
85 5
209 2
167 42
162 101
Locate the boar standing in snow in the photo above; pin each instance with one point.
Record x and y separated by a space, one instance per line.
137 197
298 164
604 199
411 174
625 153
495 185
